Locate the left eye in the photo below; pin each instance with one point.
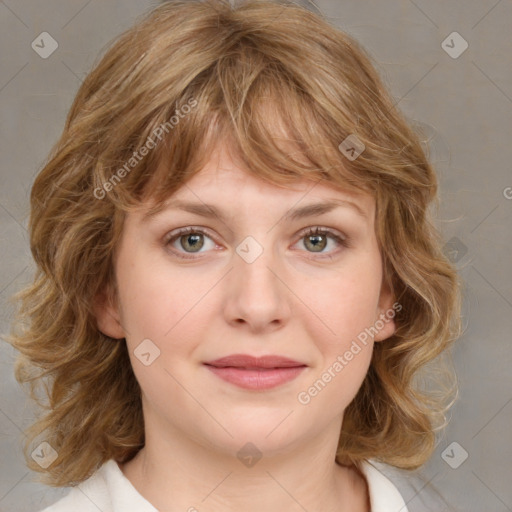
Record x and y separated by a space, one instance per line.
318 237
192 240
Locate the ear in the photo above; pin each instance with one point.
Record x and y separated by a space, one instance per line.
107 315
386 312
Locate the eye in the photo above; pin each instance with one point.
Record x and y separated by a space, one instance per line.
316 239
191 240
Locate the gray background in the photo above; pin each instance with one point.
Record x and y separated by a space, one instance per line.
464 104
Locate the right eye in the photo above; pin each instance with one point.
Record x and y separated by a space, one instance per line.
188 238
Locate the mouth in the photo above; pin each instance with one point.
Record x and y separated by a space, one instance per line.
256 373
255 362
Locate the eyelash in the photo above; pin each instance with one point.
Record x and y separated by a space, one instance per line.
344 242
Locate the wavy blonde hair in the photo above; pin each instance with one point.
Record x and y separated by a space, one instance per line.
275 80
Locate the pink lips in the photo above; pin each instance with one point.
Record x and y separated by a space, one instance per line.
257 373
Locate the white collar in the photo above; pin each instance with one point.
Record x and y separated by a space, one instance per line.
109 484
384 496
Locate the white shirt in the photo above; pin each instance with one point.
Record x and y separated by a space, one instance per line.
109 490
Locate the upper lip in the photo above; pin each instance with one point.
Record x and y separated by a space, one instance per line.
246 361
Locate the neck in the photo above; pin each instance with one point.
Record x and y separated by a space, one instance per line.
177 473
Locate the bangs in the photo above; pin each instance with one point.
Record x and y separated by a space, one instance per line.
268 123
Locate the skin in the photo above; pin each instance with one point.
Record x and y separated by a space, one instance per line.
290 301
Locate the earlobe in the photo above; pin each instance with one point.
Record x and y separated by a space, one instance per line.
107 315
386 325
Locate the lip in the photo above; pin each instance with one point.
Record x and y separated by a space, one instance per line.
261 362
256 373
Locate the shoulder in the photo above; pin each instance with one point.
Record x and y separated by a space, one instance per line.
89 496
384 495
107 490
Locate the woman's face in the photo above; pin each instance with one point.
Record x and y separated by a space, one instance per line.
249 281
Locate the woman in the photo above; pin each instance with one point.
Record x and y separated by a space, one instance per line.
238 278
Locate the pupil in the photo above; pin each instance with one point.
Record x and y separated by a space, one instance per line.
194 244
317 237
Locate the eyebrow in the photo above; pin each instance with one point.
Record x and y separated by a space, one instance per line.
209 210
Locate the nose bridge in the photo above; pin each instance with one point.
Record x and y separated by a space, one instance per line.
256 293
255 259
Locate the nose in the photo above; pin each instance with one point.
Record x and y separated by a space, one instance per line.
256 291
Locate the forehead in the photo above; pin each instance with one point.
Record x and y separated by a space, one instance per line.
221 181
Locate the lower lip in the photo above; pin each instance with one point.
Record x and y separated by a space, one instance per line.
256 379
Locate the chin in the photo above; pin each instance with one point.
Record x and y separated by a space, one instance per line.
268 437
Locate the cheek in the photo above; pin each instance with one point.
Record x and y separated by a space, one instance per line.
157 306
160 303
145 292
337 383
350 310
346 303
345 347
